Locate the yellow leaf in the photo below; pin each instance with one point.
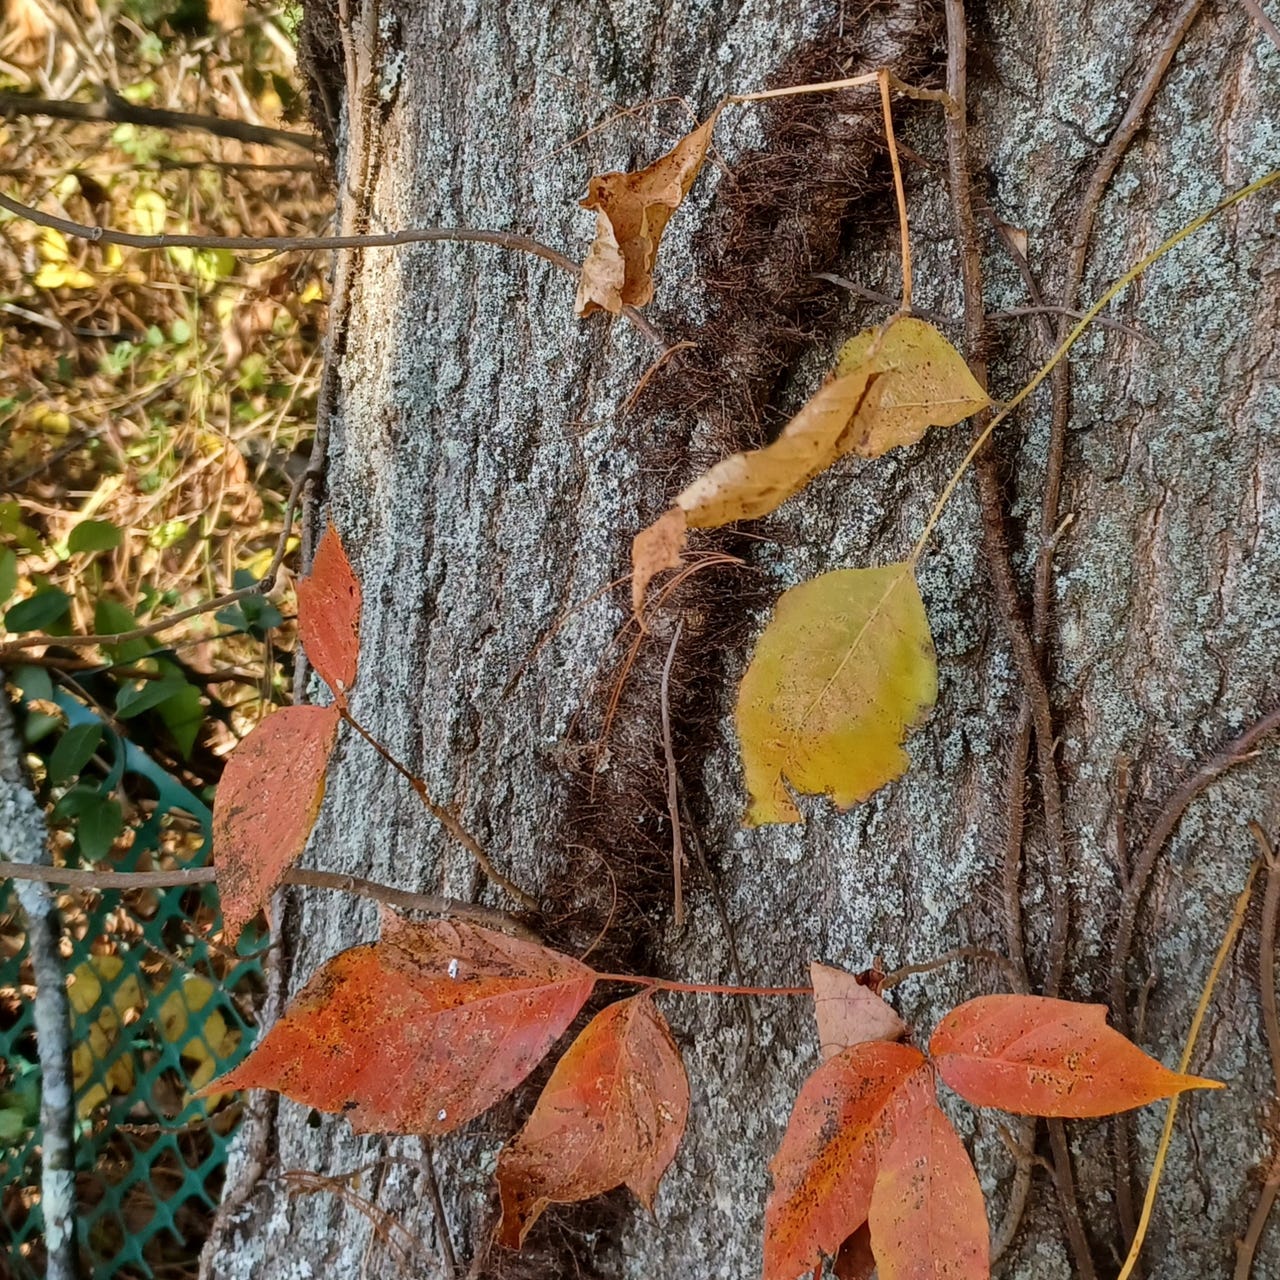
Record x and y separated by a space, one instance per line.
53 246
632 210
120 1074
81 1064
746 486
63 275
656 548
127 995
891 384
844 669
201 1077
197 991
172 1016
149 210
86 1103
85 989
922 382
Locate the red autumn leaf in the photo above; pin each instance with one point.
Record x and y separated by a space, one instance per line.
824 1169
265 806
420 1032
927 1219
613 1113
849 1012
1040 1057
329 614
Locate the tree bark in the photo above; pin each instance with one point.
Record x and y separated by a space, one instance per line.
487 480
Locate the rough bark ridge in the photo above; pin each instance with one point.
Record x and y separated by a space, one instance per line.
486 482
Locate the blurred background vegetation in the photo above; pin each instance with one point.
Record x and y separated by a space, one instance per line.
155 407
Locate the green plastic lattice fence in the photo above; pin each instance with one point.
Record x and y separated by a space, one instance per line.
157 1012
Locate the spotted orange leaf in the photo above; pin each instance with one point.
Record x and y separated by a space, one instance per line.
329 614
927 1217
265 806
824 1170
420 1032
1040 1057
613 1113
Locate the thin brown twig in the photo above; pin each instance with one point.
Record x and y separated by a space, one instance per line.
1248 1243
1015 829
673 782
903 972
394 1236
1081 233
900 195
995 539
1256 12
1104 322
638 390
1267 948
1011 313
432 903
283 244
1247 1246
113 109
1003 1236
446 819
437 1205
1000 566
1208 771
1239 748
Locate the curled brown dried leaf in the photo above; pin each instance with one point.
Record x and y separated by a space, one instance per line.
632 210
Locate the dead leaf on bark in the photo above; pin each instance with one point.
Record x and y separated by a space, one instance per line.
631 211
265 806
1035 1056
849 1012
928 1219
843 670
891 385
826 1165
329 614
922 382
420 1032
613 1113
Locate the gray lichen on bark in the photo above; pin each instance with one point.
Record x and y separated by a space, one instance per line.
486 484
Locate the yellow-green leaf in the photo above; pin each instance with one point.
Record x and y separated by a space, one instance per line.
922 382
149 213
892 383
844 669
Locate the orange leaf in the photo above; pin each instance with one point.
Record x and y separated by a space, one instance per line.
613 1112
265 806
1040 1057
632 210
849 1012
329 614
420 1032
824 1169
928 1220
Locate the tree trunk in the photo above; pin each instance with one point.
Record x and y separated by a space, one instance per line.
487 478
